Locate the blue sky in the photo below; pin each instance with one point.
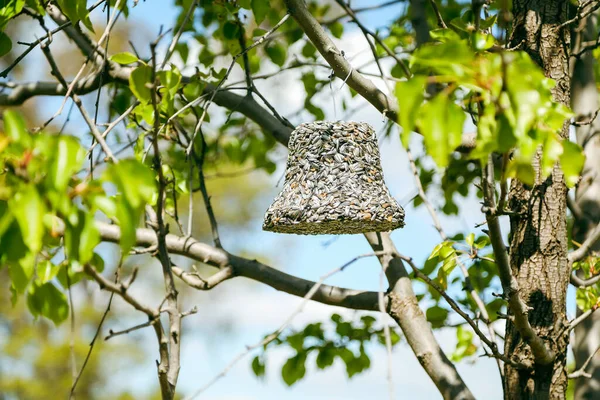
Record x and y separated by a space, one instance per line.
258 310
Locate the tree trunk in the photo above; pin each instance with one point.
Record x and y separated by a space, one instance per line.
587 197
538 248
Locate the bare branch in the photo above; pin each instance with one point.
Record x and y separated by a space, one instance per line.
580 319
88 120
583 283
581 371
582 251
168 369
112 334
118 289
252 269
92 343
194 280
341 67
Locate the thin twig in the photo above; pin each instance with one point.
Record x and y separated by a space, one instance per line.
222 81
582 12
97 135
580 319
74 373
375 37
582 251
33 45
112 334
386 331
581 371
438 15
177 35
93 342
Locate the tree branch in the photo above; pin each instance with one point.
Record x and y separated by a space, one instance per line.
341 67
582 251
238 266
581 371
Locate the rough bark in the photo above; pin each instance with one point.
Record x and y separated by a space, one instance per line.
587 196
538 248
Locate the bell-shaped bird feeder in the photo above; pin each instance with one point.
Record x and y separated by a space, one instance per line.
333 183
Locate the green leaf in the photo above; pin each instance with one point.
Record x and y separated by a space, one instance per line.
451 58
139 80
464 345
571 162
76 10
437 315
277 53
8 10
309 50
482 41
231 30
14 126
81 238
65 162
170 79
260 8
5 44
294 369
586 298
441 122
356 365
325 357
296 341
29 209
124 58
551 152
522 170
410 96
444 35
46 271
20 272
37 6
470 239
136 186
46 300
258 367
337 29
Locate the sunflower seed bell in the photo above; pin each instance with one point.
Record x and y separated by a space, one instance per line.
333 183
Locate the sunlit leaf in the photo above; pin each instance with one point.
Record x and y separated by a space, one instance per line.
410 95
441 122
48 301
124 58
139 82
260 8
28 208
571 162
65 161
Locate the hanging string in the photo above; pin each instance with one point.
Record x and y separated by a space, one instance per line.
333 93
